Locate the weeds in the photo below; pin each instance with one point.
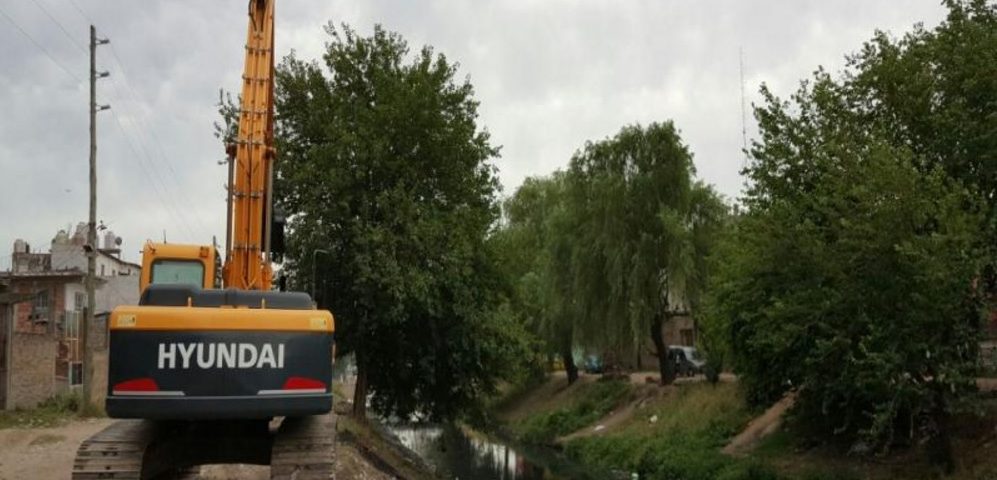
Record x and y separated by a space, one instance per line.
594 401
52 412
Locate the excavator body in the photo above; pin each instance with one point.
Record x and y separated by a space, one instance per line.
211 353
192 351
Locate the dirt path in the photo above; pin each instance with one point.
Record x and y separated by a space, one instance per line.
761 427
44 452
48 453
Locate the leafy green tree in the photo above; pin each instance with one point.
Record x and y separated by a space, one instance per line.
386 179
934 91
852 277
538 261
643 231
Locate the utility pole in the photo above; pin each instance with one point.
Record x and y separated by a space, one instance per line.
744 115
91 248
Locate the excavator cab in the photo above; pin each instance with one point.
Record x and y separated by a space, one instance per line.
172 263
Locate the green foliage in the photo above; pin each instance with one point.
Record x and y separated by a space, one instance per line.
935 91
748 471
603 254
689 455
592 402
820 475
529 249
383 167
852 277
633 257
684 442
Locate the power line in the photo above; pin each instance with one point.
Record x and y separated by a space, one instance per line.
145 159
39 46
170 207
59 24
144 128
744 118
78 9
151 165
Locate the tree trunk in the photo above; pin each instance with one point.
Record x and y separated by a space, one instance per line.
360 392
939 446
569 362
666 365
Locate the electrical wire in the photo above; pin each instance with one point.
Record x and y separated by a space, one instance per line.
39 46
61 27
134 137
82 13
143 159
144 128
150 166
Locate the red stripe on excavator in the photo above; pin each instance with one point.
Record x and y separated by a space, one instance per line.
296 385
303 383
141 386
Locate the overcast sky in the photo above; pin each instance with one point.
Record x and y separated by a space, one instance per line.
550 74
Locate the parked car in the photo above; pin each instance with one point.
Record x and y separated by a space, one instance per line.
687 360
593 364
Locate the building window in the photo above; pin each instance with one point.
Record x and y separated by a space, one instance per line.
75 373
42 300
40 307
80 301
71 341
102 270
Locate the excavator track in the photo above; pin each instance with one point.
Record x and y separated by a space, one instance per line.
304 448
115 452
300 449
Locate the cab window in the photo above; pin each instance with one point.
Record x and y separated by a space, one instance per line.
185 272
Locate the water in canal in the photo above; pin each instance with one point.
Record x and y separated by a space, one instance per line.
459 453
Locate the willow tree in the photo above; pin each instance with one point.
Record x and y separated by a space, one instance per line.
644 234
538 244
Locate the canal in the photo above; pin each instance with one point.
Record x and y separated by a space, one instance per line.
461 453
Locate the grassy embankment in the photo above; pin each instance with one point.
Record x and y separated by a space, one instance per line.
678 432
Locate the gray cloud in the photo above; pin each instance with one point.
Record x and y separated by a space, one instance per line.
549 74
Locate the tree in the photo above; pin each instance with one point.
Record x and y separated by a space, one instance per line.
382 165
538 245
852 277
934 92
643 234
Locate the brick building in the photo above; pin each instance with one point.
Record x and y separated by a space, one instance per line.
42 304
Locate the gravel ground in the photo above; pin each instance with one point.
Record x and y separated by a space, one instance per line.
47 453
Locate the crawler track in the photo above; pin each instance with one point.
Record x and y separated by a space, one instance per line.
300 449
304 448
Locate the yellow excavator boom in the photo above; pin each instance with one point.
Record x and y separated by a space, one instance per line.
247 265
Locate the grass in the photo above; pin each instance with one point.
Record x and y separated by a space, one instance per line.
53 412
589 403
677 436
671 434
678 432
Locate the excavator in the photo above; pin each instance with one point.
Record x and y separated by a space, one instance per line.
214 366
